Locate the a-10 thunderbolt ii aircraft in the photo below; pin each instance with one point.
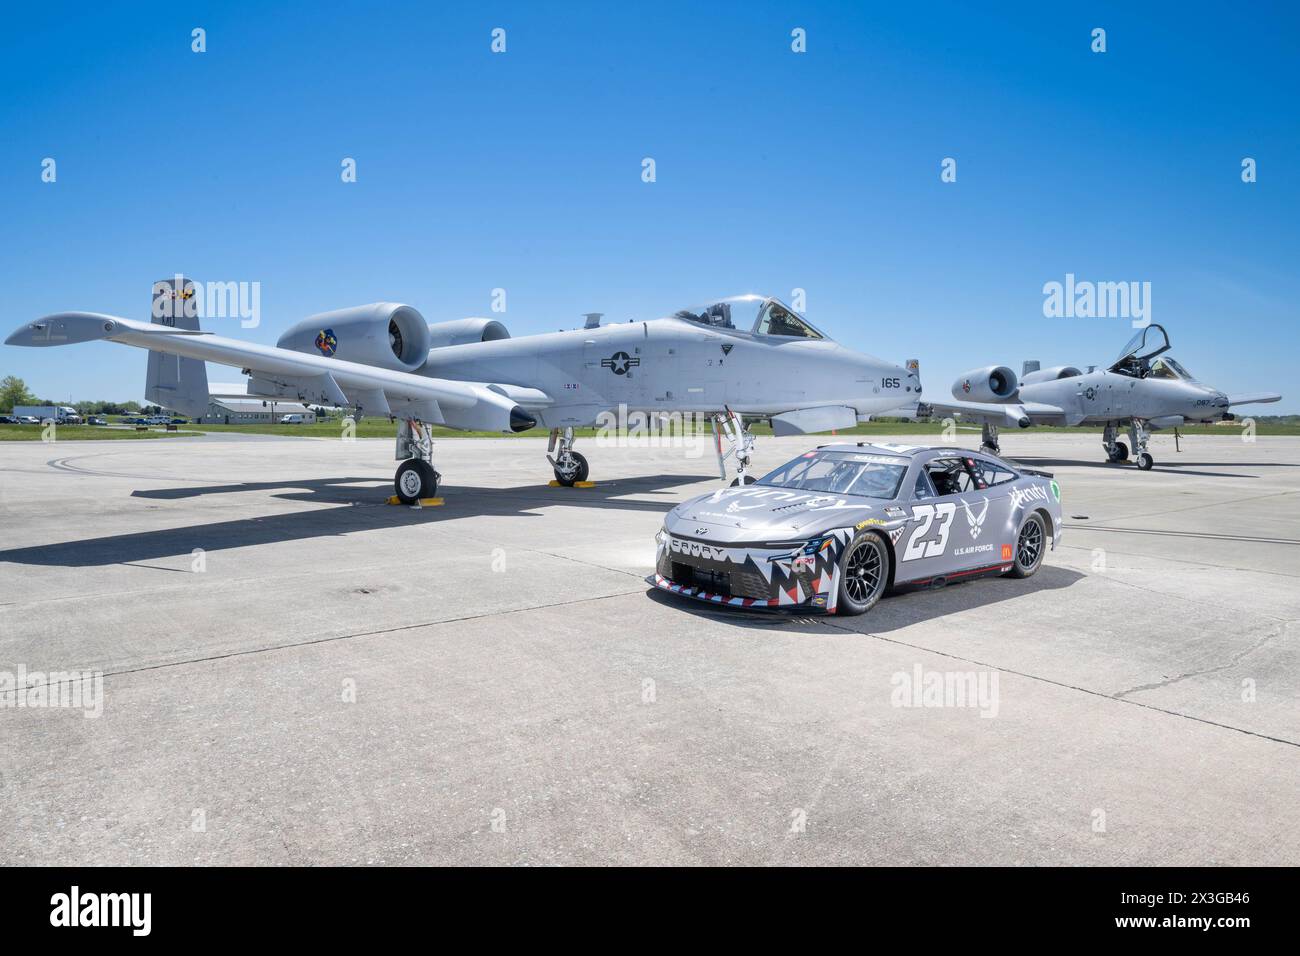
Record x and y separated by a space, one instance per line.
1143 389
745 357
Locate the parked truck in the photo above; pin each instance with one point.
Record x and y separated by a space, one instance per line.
63 414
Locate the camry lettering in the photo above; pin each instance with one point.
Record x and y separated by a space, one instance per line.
697 549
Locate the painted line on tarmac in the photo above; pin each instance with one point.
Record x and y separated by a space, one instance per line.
1057 683
335 638
1185 534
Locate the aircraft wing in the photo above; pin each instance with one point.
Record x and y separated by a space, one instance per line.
1250 398
467 405
1008 415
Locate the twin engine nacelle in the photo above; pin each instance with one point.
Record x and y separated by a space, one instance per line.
995 383
465 332
1049 374
384 335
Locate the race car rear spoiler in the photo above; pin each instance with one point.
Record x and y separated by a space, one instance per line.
1035 472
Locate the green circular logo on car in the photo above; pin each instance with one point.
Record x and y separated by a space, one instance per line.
1056 490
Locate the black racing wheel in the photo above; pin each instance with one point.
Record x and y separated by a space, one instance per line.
864 573
1030 544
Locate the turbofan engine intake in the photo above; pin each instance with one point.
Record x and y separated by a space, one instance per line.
996 383
383 334
465 331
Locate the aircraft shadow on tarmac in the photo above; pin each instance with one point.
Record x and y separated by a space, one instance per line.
368 512
1172 466
366 491
894 611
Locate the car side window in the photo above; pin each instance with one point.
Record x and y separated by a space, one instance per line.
992 474
948 476
923 489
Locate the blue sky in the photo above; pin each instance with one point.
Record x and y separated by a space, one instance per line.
775 170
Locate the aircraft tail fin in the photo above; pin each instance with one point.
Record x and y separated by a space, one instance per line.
1030 365
176 383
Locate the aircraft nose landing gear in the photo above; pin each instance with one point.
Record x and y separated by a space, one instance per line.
741 446
1137 432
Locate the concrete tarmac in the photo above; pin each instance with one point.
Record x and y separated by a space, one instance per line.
295 672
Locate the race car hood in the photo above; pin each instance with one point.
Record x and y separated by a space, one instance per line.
760 513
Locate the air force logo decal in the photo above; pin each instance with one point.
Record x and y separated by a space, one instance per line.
976 522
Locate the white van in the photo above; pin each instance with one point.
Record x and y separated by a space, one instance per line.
292 419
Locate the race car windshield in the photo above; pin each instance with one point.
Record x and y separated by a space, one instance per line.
843 473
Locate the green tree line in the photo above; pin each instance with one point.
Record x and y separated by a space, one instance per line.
14 391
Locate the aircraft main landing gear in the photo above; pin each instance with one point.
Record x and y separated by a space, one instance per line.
1116 451
570 467
416 477
989 440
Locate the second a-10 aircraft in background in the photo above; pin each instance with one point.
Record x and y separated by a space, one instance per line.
1143 389
749 356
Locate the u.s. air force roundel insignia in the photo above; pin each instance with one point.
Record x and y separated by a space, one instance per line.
326 342
619 363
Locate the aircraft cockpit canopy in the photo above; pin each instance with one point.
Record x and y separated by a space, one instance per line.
758 314
1166 367
1136 357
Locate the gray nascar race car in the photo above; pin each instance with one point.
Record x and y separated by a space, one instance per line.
836 527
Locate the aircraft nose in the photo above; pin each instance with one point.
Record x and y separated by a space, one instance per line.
21 336
1204 400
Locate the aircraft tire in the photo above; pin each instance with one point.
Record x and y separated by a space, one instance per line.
579 474
737 482
415 479
1121 452
1145 461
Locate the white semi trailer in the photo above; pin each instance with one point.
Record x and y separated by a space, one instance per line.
63 414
